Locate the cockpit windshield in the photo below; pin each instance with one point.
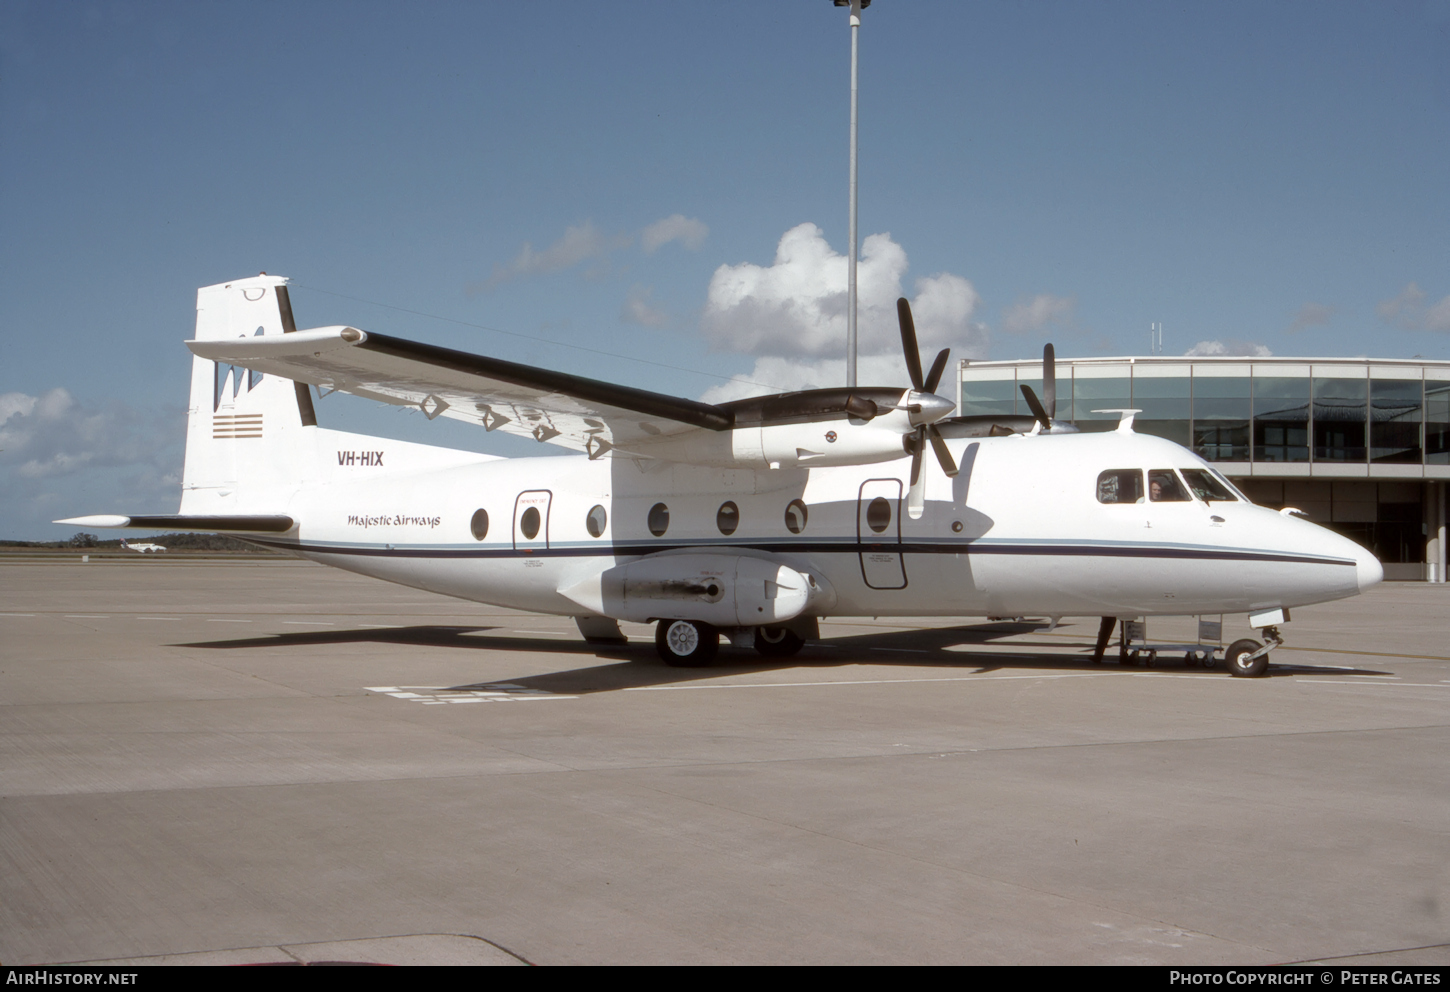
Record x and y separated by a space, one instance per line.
1206 486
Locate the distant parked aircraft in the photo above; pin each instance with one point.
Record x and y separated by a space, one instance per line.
143 548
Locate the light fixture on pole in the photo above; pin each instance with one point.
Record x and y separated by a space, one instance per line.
856 7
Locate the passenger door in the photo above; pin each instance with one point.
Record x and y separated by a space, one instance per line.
531 521
878 533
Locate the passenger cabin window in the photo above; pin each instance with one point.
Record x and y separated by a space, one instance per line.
727 518
1120 485
1164 487
529 522
1206 486
795 516
659 519
878 515
596 521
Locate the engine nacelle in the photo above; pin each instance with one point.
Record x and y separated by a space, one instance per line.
723 590
842 441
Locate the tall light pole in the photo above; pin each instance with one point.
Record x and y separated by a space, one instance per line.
856 7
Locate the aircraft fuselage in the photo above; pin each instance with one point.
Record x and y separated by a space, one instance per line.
1020 531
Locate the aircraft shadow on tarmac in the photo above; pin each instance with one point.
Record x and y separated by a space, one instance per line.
635 664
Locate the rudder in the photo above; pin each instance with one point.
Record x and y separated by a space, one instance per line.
247 434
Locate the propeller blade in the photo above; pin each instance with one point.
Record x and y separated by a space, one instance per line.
943 454
908 343
1036 407
918 442
1049 380
933 378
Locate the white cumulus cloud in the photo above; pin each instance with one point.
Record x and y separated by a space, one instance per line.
791 314
579 244
1232 346
677 227
638 308
1311 315
1407 309
1031 316
60 457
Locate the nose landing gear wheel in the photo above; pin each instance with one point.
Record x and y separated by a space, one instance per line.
777 642
1235 659
686 643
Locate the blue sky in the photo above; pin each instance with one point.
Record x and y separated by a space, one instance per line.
1257 175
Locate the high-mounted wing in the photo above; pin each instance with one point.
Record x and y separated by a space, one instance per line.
785 430
582 414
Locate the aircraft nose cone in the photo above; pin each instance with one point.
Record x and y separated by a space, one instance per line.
1369 570
932 406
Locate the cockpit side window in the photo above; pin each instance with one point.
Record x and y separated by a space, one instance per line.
1164 487
1206 486
1121 485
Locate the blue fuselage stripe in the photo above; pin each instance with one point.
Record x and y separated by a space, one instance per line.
618 550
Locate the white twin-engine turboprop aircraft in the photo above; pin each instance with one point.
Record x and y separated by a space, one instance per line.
752 518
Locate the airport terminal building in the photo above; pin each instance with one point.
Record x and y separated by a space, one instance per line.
1360 445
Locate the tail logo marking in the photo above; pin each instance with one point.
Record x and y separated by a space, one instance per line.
225 425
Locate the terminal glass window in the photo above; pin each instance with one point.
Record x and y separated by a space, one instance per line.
1099 392
1164 402
1339 419
1221 410
1394 424
1120 485
1281 419
1437 422
990 397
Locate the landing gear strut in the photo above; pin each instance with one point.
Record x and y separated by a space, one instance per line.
1250 659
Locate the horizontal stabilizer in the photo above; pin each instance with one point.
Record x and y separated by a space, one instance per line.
253 523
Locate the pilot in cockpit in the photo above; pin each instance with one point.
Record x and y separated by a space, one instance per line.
1164 487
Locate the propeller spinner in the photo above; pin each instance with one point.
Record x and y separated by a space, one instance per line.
931 407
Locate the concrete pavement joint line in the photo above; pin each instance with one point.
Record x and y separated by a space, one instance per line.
1365 954
498 692
1372 654
560 768
287 949
1374 685
789 685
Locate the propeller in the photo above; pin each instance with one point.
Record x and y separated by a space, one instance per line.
1044 413
925 432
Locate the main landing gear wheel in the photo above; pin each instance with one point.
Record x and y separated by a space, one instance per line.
686 643
778 642
1235 659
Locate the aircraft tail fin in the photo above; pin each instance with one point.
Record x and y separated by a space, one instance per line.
247 434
